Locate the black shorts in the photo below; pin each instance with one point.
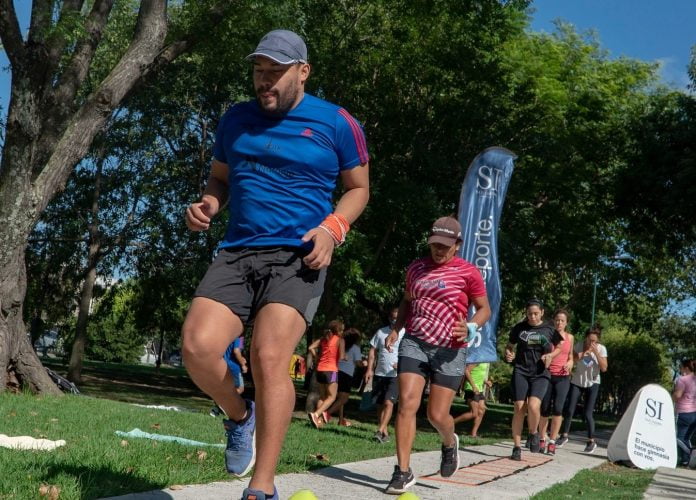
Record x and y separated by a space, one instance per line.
345 381
385 389
246 279
468 395
528 386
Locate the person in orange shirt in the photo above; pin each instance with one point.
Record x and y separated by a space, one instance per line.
332 349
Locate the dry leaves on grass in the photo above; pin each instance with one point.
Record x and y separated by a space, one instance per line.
156 426
322 457
202 455
49 491
124 443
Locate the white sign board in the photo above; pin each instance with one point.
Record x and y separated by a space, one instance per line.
646 434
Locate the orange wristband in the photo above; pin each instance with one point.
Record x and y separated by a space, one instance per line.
337 226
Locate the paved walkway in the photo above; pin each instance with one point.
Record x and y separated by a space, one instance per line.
367 480
672 483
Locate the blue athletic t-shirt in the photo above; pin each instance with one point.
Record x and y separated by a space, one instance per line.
283 170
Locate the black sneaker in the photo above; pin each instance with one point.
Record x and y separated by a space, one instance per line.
400 481
534 445
516 453
528 442
561 441
449 461
591 446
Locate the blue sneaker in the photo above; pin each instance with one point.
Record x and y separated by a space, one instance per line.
240 453
249 494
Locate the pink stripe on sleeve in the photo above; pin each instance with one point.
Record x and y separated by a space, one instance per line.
358 136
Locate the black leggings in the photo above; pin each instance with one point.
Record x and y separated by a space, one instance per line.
590 398
555 398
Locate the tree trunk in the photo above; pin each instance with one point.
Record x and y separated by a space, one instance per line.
18 361
77 353
37 162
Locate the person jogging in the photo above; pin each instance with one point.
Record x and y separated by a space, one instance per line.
554 400
237 365
590 360
475 377
346 371
439 290
531 349
276 162
381 372
332 349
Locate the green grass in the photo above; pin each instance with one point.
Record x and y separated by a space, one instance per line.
608 481
97 463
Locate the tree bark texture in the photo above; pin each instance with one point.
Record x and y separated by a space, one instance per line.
37 159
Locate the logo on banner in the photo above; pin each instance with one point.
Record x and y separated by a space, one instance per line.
489 180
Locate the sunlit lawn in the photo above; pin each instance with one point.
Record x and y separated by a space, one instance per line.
96 462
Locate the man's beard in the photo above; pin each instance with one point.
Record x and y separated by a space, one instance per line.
284 102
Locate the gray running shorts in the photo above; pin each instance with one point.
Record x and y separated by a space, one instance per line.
246 279
443 366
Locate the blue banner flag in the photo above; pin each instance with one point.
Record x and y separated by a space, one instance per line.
480 207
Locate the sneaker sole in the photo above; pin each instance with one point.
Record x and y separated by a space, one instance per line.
395 491
253 458
456 468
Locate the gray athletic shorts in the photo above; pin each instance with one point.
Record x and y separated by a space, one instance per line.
441 365
246 279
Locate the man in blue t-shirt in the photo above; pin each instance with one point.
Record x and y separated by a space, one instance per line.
276 162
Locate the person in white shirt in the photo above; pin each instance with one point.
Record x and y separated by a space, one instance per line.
385 386
590 361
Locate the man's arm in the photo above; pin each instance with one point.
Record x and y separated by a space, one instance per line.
200 213
399 323
356 182
370 364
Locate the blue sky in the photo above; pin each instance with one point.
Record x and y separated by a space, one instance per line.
651 30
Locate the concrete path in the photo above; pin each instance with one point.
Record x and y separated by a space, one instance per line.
672 483
367 480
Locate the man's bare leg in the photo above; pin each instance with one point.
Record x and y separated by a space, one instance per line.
277 330
209 328
385 415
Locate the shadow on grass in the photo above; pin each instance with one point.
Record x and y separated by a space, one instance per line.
101 482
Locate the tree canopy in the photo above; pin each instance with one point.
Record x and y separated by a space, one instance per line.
606 158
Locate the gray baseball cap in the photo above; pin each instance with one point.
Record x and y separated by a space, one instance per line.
281 46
